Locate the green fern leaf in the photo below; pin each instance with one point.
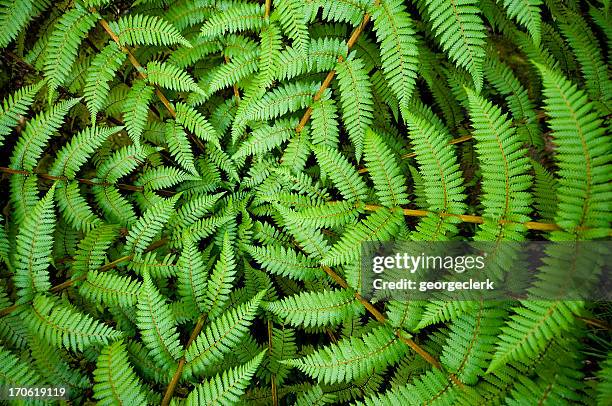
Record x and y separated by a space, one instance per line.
504 166
316 309
82 145
220 282
148 226
239 17
15 372
196 123
389 183
63 45
526 13
179 147
221 336
136 109
291 17
461 32
62 325
352 358
581 140
342 173
74 208
14 16
114 377
16 105
355 100
157 326
37 133
378 226
99 74
192 277
283 261
398 50
141 29
111 289
226 388
171 77
33 249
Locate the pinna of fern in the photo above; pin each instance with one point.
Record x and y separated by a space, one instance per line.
188 186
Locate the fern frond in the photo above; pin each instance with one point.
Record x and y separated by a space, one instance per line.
526 13
121 163
195 122
352 358
266 138
522 108
15 372
221 278
582 144
114 377
226 388
14 16
316 309
192 276
171 77
442 181
157 326
179 147
74 208
221 336
389 183
99 75
604 387
341 172
16 105
53 364
82 145
241 16
329 215
355 100
530 329
432 387
60 324
148 226
324 129
63 45
292 19
136 109
91 252
281 100
36 134
138 29
504 167
381 225
544 192
111 289
117 209
471 342
461 33
284 262
33 249
594 70
398 50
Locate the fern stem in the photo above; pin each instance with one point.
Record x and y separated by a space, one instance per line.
268 6
179 370
352 40
468 218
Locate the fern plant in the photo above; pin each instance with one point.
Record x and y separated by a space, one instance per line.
187 186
